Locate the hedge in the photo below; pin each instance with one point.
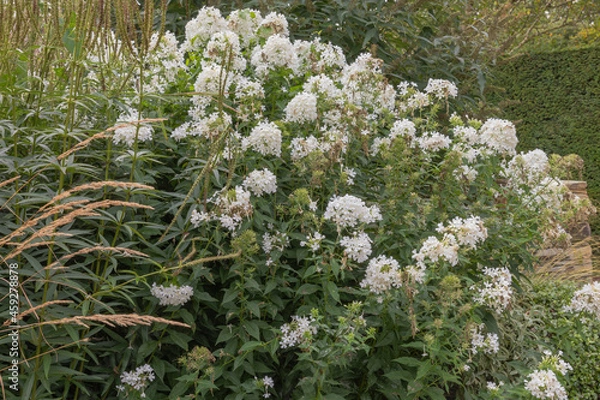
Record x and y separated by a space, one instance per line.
554 99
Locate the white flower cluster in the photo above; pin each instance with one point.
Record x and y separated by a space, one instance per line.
357 247
488 343
129 129
544 384
163 61
313 241
348 211
527 168
499 135
468 232
301 147
300 331
555 362
460 232
496 292
382 274
172 295
199 30
233 205
433 141
278 52
441 88
265 139
260 182
302 108
138 380
586 299
267 383
433 249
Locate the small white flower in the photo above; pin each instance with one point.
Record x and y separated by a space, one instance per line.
299 331
260 182
358 247
172 295
131 130
382 274
348 211
499 135
495 290
138 380
302 108
441 88
488 343
587 299
265 139
543 384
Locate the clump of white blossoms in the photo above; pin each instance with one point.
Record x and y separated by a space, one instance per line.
441 88
555 362
300 331
468 232
137 380
302 108
130 129
260 182
199 30
265 138
433 141
488 344
527 168
348 211
382 274
586 299
544 384
313 241
495 290
357 247
433 249
172 295
499 135
233 206
267 383
278 52
403 127
301 147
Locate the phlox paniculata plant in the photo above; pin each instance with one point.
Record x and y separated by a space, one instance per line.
388 229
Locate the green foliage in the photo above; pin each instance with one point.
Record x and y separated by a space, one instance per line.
554 97
576 335
130 179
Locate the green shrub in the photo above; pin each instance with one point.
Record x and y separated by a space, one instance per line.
554 99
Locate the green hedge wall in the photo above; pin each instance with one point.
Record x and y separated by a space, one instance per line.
554 99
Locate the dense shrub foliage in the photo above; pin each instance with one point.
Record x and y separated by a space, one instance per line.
565 119
238 215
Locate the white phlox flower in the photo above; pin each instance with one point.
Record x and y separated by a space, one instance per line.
441 88
499 135
495 290
487 344
139 379
543 384
299 332
172 295
233 206
382 274
224 49
275 23
302 108
260 182
468 232
433 141
357 247
265 139
198 30
245 23
301 147
198 218
404 128
130 129
586 299
278 52
313 241
348 211
433 249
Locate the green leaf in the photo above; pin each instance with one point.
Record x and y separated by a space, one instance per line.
252 328
251 345
332 289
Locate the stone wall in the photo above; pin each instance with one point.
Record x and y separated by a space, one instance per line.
577 259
